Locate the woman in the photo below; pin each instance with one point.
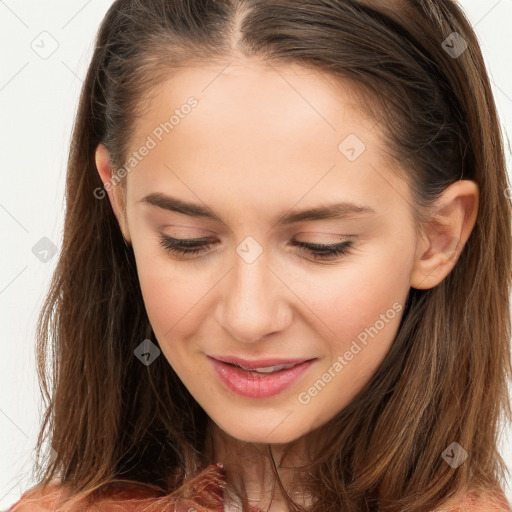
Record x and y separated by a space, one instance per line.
286 265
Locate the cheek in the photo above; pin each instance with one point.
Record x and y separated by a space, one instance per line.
361 301
362 309
172 303
174 300
176 307
168 292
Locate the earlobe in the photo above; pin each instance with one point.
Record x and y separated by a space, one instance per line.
103 165
435 263
445 235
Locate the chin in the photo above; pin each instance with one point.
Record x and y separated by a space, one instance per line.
262 432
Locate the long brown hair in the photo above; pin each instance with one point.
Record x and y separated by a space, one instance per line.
444 380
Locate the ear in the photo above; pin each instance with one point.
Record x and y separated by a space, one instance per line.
443 238
114 192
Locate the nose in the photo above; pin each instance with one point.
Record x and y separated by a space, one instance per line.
255 301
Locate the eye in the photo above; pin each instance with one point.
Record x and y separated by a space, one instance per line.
198 245
184 246
326 252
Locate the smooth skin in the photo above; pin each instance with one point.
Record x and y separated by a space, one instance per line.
261 142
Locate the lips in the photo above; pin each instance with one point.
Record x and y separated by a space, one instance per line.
258 363
266 369
251 383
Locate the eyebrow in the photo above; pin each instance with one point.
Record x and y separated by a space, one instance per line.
322 212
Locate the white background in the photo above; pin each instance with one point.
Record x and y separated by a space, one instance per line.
38 98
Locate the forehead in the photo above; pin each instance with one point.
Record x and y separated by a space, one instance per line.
262 132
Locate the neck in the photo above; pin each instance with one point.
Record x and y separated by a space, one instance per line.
250 466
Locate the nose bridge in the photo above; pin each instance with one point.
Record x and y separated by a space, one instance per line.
254 301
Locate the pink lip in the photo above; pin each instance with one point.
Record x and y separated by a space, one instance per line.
256 363
254 385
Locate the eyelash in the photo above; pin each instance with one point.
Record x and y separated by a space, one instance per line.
196 245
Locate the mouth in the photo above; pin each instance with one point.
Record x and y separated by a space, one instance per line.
258 379
261 365
265 369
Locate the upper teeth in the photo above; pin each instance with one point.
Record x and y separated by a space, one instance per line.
269 369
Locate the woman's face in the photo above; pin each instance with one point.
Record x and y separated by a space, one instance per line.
263 157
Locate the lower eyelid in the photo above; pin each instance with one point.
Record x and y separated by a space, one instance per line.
319 253
205 241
